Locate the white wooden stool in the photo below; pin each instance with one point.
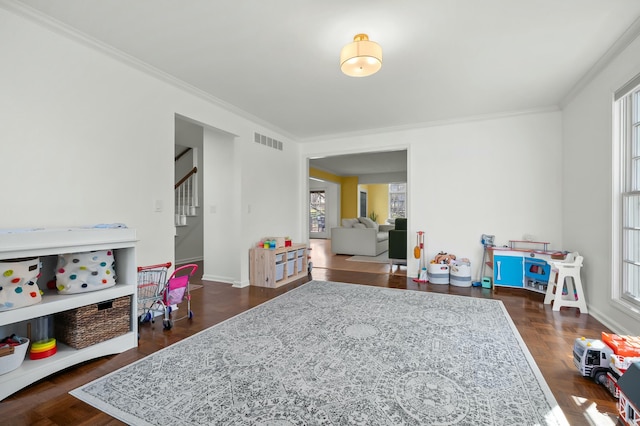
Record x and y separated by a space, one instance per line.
560 271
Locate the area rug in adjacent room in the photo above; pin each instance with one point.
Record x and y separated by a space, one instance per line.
381 258
332 354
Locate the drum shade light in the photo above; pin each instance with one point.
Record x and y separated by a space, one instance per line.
361 57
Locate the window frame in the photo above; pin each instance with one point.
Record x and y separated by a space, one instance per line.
389 195
626 178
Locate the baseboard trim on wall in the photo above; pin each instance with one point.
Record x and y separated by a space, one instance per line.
614 326
241 284
219 279
189 260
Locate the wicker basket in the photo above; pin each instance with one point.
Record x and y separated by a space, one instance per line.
91 324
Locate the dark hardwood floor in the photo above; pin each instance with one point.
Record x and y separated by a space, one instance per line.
549 336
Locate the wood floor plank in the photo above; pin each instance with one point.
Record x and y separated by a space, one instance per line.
548 335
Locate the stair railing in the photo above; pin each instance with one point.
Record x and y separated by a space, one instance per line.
186 195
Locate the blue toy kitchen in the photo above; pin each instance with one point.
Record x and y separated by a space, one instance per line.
523 264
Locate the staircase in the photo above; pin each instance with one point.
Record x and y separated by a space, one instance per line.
186 197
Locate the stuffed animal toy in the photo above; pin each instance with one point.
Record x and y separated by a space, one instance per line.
444 258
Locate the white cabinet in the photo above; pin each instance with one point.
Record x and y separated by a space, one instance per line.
47 244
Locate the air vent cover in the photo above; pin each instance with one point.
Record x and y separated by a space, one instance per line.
267 141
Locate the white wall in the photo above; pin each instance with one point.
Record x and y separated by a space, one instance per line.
500 177
220 206
587 185
332 204
88 138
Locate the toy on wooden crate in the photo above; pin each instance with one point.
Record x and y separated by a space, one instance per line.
18 283
83 272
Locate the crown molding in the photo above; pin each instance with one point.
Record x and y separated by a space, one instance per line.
72 33
436 123
616 48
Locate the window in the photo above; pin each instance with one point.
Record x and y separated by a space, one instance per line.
317 208
627 109
397 200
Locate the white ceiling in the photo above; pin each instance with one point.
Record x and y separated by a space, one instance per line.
444 60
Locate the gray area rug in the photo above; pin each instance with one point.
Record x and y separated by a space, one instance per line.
339 354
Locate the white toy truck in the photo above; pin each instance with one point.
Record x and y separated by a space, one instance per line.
607 359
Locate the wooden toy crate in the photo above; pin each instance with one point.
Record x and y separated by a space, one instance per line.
92 324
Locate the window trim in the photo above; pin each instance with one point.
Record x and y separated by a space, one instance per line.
624 119
389 192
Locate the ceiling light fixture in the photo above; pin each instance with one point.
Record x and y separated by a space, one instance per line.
361 58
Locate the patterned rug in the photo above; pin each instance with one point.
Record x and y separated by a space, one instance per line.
339 354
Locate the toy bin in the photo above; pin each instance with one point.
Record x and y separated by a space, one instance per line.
11 361
92 324
291 267
279 271
86 271
438 273
460 275
18 283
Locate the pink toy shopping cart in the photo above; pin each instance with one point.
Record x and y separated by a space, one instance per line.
176 291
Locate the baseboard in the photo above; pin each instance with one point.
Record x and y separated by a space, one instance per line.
606 321
219 279
189 260
241 284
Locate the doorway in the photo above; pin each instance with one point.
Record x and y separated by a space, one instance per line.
189 228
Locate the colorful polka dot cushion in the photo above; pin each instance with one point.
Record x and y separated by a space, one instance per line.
82 272
18 283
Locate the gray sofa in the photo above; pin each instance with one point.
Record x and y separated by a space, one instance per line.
361 237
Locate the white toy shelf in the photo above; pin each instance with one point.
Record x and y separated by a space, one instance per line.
47 244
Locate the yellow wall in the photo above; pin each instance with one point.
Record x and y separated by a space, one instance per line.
320 174
349 197
378 195
378 201
348 191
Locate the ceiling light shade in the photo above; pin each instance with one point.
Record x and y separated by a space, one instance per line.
361 58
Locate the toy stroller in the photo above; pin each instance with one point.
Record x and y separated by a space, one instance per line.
177 290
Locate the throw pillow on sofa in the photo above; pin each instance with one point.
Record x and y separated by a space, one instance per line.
360 226
368 223
348 223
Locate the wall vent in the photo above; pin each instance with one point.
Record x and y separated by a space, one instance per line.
267 141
